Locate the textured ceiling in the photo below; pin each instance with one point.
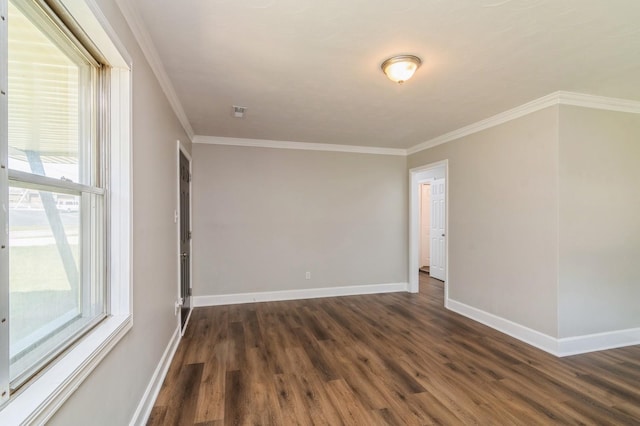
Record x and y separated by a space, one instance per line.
309 71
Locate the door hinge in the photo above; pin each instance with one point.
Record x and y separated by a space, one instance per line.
189 178
189 235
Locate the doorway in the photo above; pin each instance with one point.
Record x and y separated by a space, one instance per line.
184 235
435 177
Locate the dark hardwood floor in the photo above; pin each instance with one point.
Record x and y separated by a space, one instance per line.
382 359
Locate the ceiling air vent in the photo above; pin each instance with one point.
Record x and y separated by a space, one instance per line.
238 111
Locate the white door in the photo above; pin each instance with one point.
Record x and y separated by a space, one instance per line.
425 224
438 257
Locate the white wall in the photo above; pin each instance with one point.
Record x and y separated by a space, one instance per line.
599 221
111 393
503 225
262 217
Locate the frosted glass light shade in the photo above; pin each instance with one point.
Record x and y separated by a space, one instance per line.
401 68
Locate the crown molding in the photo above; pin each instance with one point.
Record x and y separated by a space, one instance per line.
555 98
598 102
150 52
263 143
503 117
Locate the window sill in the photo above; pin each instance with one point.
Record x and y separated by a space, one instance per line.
40 399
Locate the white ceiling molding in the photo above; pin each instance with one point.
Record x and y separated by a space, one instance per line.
598 102
260 143
149 50
503 117
555 98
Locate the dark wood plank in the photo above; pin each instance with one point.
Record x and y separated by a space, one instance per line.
211 401
234 403
347 404
157 415
291 401
181 409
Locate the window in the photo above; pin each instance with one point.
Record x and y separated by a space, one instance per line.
64 260
56 201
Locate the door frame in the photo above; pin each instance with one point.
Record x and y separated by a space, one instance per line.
181 149
419 175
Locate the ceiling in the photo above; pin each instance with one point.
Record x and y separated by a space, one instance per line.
309 70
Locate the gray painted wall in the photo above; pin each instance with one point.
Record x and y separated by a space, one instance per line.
544 227
599 221
262 217
503 224
112 392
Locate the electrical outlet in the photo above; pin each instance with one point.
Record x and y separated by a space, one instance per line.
307 276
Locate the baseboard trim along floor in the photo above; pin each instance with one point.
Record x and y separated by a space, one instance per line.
312 293
560 347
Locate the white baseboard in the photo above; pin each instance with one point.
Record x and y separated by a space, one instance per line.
598 342
312 293
559 347
520 332
143 411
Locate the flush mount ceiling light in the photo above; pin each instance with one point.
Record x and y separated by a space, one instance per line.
401 68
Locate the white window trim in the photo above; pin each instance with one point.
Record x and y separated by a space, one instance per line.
44 395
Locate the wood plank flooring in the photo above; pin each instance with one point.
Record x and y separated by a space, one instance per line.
397 359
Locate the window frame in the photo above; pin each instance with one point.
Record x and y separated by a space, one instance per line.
4 202
38 400
90 192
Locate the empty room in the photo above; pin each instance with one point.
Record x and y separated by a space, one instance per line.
277 212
